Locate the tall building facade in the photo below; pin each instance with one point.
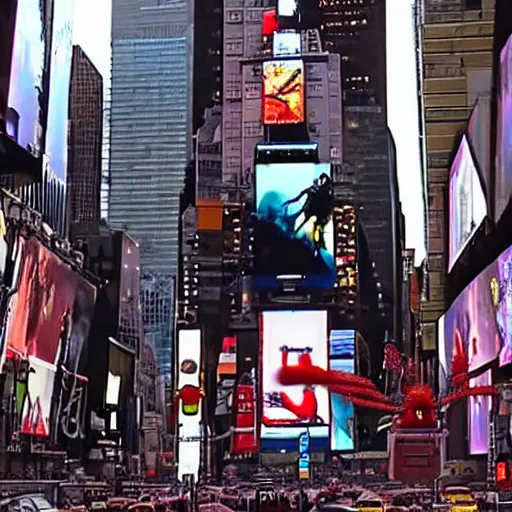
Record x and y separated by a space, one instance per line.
150 137
456 39
85 140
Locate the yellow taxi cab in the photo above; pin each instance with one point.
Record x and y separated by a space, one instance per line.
369 504
460 498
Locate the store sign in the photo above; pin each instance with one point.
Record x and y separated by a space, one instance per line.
244 438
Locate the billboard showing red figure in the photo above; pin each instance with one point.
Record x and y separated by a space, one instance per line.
48 289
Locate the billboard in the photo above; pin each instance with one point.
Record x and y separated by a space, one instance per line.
286 44
503 185
24 121
286 7
283 91
468 206
288 409
342 358
293 229
48 289
56 146
478 324
478 416
189 378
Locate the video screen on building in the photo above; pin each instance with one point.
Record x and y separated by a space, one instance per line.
286 44
25 107
283 91
293 229
478 416
189 415
468 206
478 325
503 185
56 146
342 358
287 7
288 409
47 289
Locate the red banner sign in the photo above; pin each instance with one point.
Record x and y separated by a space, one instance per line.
244 438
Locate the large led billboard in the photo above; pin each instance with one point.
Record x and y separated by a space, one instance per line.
287 410
283 91
286 7
189 415
503 186
478 416
342 358
286 44
24 121
468 206
293 229
48 289
60 77
478 325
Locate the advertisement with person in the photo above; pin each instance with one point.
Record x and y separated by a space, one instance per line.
49 292
342 358
503 186
60 77
190 398
24 121
287 336
283 91
293 228
468 206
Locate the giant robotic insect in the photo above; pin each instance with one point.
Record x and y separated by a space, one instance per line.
418 410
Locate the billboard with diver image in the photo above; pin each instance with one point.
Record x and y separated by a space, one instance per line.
293 228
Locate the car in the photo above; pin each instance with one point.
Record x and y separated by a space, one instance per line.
27 503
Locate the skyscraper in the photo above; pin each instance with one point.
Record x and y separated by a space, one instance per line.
85 139
150 138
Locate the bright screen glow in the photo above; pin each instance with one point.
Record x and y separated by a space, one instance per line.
504 136
298 330
286 7
60 76
113 389
294 229
283 91
341 358
478 325
468 206
478 416
27 65
189 447
286 44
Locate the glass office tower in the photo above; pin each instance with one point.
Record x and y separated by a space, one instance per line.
150 144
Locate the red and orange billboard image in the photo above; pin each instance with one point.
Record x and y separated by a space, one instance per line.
283 91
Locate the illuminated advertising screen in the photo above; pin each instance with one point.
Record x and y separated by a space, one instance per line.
293 232
342 358
24 108
286 44
478 325
189 415
503 185
288 409
478 416
286 7
47 289
468 206
283 91
60 77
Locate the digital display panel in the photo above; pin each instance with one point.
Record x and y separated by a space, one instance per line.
24 108
468 206
478 416
60 77
286 44
503 186
478 325
189 374
293 229
342 358
283 91
286 7
288 409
